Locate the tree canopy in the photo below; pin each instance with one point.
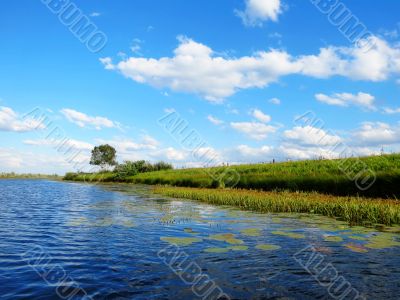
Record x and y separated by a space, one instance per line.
103 156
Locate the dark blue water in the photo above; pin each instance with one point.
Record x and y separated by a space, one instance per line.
74 241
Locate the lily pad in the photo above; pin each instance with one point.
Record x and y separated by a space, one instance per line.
356 248
358 238
382 241
333 238
267 247
289 234
185 241
238 248
251 231
226 237
189 230
216 250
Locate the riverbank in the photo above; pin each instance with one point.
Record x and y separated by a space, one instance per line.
341 177
355 210
29 176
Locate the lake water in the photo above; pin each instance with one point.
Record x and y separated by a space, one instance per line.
73 241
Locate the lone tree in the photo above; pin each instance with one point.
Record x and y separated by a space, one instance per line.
103 156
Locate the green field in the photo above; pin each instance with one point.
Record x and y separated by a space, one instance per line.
337 177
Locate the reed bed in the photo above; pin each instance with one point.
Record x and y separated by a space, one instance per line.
354 210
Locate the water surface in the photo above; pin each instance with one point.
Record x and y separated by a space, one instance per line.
107 241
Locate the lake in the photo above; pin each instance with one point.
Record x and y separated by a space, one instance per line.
71 241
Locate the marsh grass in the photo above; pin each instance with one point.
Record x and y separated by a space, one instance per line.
354 210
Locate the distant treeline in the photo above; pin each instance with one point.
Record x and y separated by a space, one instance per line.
28 176
337 177
124 171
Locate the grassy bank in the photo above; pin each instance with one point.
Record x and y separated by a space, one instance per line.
336 177
29 176
352 209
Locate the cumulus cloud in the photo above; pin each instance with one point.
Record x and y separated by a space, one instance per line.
12 121
258 11
214 120
84 120
196 68
66 143
376 134
129 145
391 111
309 135
346 99
260 116
275 101
170 154
95 14
254 130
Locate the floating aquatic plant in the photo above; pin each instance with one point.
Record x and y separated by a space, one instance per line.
333 238
181 241
226 237
216 250
356 248
267 247
289 234
251 231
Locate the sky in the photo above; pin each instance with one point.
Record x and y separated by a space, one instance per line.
250 80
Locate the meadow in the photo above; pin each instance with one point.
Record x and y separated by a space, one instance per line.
335 177
354 210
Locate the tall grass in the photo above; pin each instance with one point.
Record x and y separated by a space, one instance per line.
352 209
324 176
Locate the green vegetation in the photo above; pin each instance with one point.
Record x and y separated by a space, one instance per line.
103 156
29 176
354 210
121 173
336 177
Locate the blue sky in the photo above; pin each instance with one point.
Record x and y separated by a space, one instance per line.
239 72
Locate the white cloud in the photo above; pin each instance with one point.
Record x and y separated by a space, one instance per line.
196 68
345 99
254 130
170 154
95 14
311 136
107 62
260 116
214 120
11 121
376 134
150 141
128 145
169 110
83 120
259 11
67 143
9 160
391 111
275 101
